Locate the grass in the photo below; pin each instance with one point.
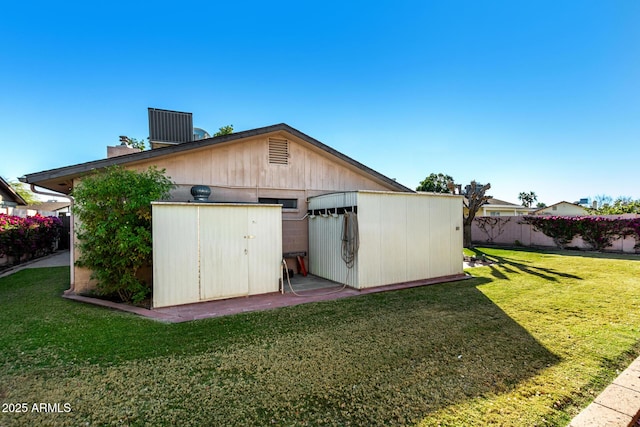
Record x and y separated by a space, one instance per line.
529 341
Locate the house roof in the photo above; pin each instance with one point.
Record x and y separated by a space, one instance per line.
60 179
560 203
493 201
6 188
49 206
497 202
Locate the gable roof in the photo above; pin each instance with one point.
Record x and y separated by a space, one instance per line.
493 201
496 202
560 203
7 189
60 179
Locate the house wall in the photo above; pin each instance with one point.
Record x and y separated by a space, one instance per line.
502 211
240 172
6 198
563 209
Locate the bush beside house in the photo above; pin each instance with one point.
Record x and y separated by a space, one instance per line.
114 211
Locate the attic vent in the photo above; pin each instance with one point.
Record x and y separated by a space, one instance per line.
278 151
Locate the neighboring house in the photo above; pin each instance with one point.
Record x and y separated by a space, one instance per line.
562 209
9 198
45 209
273 165
495 207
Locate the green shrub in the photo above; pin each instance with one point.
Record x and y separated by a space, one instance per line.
114 209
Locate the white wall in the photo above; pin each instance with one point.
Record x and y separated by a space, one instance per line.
404 237
205 251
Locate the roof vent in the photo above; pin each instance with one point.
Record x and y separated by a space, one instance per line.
278 151
200 193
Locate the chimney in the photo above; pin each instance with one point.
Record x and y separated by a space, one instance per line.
122 149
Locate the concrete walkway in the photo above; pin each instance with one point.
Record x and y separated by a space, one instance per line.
617 405
57 259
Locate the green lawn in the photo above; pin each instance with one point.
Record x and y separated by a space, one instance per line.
528 341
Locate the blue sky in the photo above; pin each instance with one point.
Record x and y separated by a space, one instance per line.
537 96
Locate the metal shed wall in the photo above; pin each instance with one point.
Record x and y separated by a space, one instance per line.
205 251
325 250
404 237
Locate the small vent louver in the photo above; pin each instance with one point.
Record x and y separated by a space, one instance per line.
278 151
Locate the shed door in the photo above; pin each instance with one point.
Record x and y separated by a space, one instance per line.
224 260
264 245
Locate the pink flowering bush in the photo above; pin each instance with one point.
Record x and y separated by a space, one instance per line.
599 233
562 229
596 231
633 228
32 236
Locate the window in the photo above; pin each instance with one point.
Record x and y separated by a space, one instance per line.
286 203
495 213
554 208
278 151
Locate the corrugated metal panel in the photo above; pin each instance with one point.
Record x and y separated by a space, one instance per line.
224 261
264 245
325 250
418 245
211 251
408 237
170 126
175 255
371 231
325 239
455 255
334 200
441 237
403 237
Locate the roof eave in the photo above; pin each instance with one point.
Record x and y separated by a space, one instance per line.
63 176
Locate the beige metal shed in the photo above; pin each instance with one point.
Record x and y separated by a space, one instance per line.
208 251
371 238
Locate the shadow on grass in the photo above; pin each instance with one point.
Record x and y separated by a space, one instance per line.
413 352
595 254
511 265
388 358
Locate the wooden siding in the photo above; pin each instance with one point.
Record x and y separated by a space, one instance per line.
240 172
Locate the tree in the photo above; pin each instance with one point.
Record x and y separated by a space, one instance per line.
114 209
541 205
137 143
436 183
24 192
224 130
475 196
622 205
602 200
527 199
